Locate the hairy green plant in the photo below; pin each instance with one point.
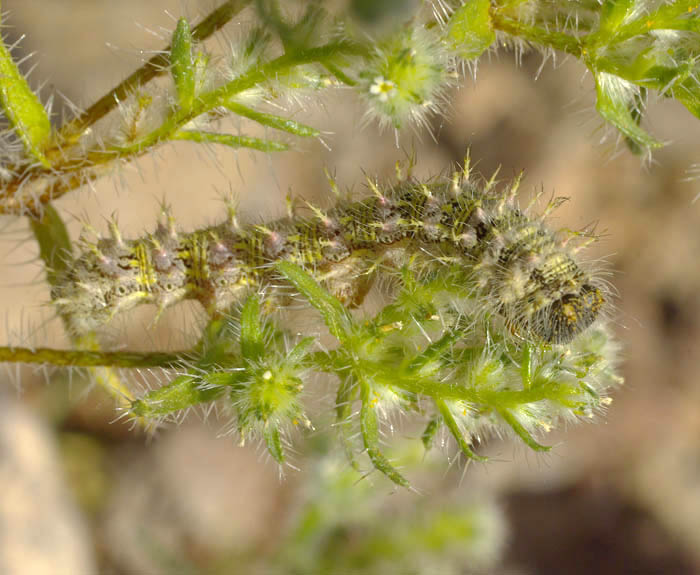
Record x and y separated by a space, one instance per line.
492 327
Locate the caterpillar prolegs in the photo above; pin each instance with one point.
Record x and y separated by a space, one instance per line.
518 268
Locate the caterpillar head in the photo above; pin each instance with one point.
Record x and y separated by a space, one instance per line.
566 317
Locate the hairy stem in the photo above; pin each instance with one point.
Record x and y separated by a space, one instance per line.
91 358
538 36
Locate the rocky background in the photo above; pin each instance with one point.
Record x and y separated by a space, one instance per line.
83 493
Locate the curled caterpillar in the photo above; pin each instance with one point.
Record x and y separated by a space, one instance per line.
521 269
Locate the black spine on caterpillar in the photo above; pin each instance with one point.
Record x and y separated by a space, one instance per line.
518 266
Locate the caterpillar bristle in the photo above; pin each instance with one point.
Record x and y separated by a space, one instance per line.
509 261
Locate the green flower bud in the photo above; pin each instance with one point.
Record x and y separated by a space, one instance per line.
269 395
405 78
265 392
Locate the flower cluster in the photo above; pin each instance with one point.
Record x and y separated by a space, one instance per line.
247 362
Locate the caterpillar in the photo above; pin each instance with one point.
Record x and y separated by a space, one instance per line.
523 271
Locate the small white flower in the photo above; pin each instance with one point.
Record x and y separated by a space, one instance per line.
383 89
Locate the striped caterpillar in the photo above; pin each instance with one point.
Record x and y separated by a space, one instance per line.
520 270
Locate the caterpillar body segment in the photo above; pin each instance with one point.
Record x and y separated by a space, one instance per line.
518 268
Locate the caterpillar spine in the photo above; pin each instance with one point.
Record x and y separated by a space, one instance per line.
518 267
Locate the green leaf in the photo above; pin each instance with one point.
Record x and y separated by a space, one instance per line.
429 432
334 314
252 335
299 351
370 436
231 140
523 433
272 121
431 355
23 109
616 100
688 92
613 14
55 248
182 66
677 15
183 392
526 366
347 392
470 30
456 432
215 346
273 440
623 19
636 111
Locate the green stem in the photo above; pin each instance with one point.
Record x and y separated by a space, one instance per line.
91 358
369 427
220 96
456 432
276 122
520 430
540 390
538 36
117 359
339 74
231 140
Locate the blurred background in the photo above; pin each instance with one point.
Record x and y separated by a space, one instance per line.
84 493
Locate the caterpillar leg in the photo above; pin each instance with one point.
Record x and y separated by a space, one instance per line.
350 280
